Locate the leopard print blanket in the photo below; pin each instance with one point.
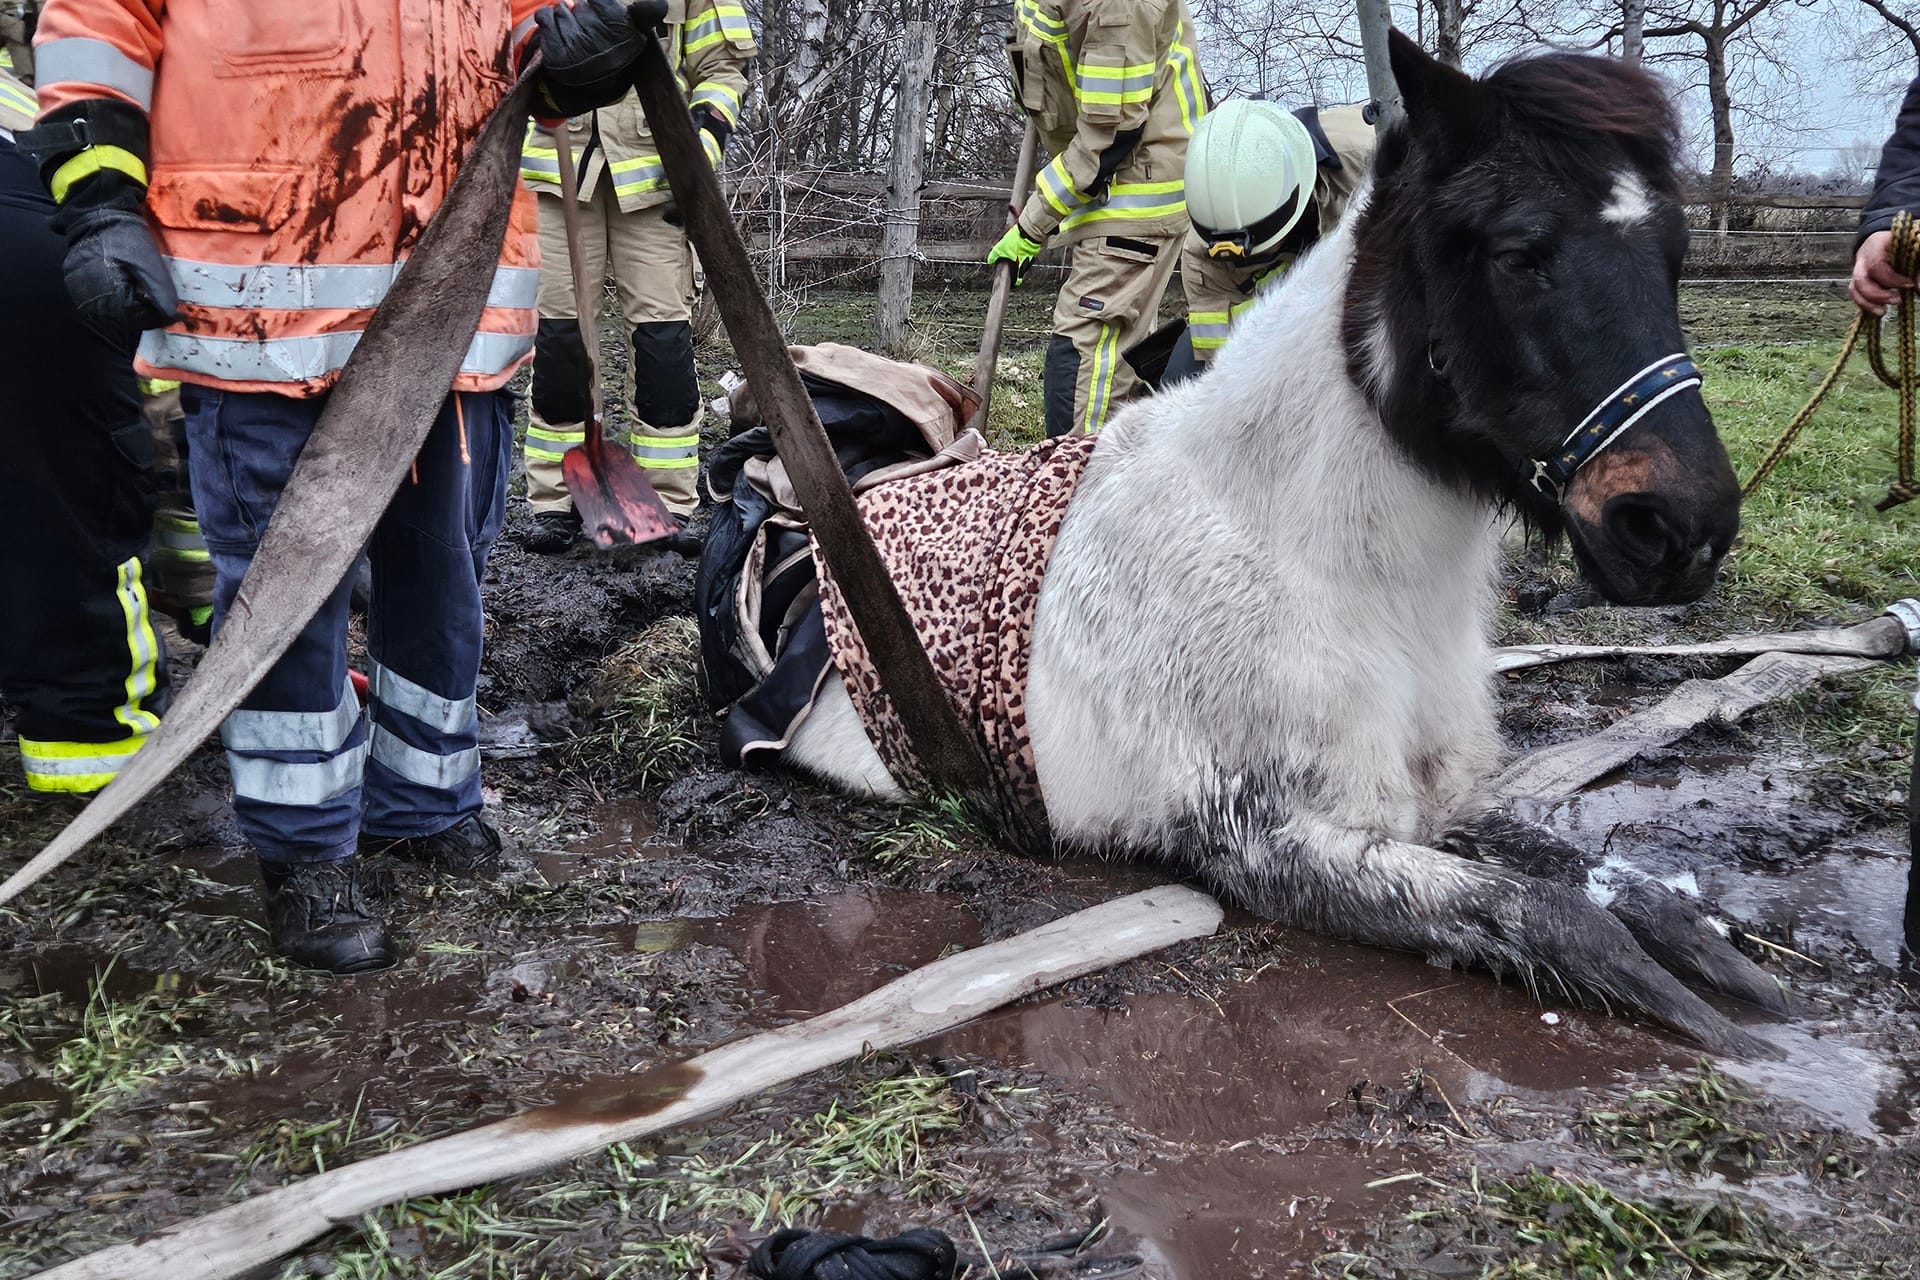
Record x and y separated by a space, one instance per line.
967 547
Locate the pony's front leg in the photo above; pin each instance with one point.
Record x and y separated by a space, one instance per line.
1669 925
1358 885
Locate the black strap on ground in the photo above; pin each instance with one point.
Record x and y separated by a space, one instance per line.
1904 255
797 1254
926 1254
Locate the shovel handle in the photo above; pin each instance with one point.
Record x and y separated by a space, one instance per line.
586 297
990 330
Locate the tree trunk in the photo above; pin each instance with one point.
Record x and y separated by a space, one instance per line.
1375 22
1633 20
1449 17
1720 185
902 228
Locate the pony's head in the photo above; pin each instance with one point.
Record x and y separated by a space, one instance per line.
1512 313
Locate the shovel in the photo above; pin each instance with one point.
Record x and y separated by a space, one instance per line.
983 367
616 502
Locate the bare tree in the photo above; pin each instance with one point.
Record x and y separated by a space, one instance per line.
1886 54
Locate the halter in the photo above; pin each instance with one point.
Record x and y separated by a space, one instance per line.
1633 400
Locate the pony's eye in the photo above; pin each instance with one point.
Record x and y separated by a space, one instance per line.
1517 262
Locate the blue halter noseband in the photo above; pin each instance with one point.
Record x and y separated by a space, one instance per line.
1636 397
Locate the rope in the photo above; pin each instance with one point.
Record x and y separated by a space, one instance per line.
1905 256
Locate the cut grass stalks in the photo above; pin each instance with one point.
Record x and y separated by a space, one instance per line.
665 1209
118 1047
652 727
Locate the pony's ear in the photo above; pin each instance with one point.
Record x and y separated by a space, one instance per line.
1442 102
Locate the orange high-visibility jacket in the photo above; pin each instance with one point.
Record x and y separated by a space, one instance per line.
298 149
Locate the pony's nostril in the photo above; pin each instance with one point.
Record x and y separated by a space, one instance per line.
1641 530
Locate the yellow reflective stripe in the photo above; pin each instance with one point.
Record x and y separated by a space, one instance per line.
156 386
142 648
19 97
1102 84
1047 28
1057 188
75 767
560 442
726 22
724 99
666 464
1187 85
666 442
92 161
1100 390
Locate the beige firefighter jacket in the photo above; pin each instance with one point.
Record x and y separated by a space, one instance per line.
17 103
1217 290
710 43
1114 87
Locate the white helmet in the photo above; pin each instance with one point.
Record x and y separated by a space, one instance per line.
1250 174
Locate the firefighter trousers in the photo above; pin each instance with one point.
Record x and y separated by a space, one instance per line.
311 770
79 658
652 268
1110 300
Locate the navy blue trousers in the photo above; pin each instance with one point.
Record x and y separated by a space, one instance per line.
311 771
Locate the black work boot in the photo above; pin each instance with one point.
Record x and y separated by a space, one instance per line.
322 916
686 540
469 848
553 532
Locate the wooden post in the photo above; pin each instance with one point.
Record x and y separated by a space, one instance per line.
946 751
1375 22
900 234
923 1003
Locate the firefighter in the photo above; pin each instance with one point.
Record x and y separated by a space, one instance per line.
1263 184
79 657
1115 90
244 191
17 19
628 224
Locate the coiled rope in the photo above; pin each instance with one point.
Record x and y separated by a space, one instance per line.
1904 253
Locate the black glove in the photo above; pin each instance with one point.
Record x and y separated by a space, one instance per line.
588 42
114 271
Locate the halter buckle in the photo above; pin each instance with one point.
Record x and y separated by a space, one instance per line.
1543 482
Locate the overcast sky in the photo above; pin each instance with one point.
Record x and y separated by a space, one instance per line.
1801 116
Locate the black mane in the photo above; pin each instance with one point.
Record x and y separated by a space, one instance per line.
1577 105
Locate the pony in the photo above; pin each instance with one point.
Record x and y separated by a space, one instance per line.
1279 683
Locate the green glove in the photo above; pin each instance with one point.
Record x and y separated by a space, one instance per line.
1016 248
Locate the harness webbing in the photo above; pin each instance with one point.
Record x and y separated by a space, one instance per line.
1905 257
1631 401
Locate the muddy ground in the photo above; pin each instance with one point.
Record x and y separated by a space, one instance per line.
1262 1103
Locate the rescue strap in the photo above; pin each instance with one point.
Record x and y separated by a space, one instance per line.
1631 401
1904 254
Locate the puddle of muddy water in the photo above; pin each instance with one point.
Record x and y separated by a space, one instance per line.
622 830
1735 829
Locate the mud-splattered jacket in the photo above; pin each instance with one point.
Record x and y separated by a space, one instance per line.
297 150
1114 87
710 44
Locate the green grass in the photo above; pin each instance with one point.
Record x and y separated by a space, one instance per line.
117 1047
652 728
1688 1126
926 837
1811 545
664 1209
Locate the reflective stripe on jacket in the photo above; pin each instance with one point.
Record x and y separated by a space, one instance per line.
298 149
17 107
1115 89
710 43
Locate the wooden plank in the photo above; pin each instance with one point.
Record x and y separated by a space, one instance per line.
367 437
946 751
1881 637
927 1001
1551 774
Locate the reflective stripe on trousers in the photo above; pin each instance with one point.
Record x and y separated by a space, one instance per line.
310 770
77 768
